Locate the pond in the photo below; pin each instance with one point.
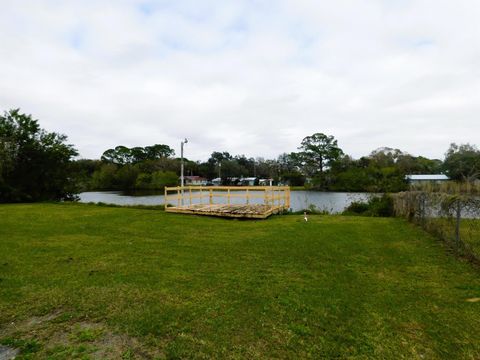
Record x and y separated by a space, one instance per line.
333 202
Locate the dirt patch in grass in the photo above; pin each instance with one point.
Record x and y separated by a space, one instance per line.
58 336
473 300
7 353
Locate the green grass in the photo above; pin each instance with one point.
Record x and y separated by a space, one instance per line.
299 188
445 228
84 281
470 234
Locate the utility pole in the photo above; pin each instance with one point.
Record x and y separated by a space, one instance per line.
182 179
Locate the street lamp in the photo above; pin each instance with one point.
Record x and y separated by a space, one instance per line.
181 157
182 180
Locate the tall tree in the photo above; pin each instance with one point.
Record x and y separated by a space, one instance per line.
462 162
218 157
34 162
286 163
318 152
123 155
385 156
158 151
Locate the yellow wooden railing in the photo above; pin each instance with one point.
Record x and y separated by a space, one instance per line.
275 196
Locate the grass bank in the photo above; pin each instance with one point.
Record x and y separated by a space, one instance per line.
80 281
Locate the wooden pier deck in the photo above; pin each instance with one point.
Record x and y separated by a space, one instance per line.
235 211
254 202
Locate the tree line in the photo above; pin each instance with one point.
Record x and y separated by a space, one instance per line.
37 165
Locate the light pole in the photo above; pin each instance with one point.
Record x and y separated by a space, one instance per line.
182 180
220 171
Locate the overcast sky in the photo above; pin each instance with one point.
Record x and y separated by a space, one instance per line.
249 77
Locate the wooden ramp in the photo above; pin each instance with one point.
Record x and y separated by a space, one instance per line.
251 202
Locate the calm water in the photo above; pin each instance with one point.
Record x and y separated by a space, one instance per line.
333 202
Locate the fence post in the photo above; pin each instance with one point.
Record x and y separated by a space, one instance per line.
165 198
288 198
457 223
423 209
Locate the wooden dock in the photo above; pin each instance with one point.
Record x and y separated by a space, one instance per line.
254 202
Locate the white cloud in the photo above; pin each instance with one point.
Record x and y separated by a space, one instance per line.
246 77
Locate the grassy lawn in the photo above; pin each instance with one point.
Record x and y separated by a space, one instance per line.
470 233
83 281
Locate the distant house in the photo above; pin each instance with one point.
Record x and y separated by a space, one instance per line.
265 182
248 181
422 179
216 182
232 181
195 181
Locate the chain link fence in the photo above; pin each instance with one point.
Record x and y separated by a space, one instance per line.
454 218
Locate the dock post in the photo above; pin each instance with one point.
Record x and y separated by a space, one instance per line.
165 199
211 197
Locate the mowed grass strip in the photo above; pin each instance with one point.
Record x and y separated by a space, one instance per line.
178 286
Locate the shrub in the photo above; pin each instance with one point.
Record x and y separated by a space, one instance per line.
357 207
160 179
104 178
379 206
143 181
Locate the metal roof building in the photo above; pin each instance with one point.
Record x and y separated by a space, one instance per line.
429 177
